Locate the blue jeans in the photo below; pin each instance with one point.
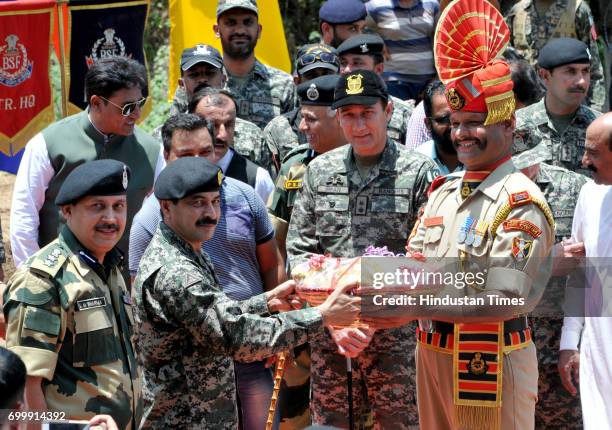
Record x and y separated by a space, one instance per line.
405 90
254 385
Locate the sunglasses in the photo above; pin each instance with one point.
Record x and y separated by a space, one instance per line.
444 120
325 57
128 108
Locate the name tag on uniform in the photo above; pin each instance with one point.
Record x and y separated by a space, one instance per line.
95 302
332 190
293 184
392 191
433 221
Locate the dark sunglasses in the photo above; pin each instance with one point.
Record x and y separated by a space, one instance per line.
128 108
325 57
444 120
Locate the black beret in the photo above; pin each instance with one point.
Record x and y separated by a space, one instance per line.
94 178
318 91
361 87
342 11
186 176
363 44
562 51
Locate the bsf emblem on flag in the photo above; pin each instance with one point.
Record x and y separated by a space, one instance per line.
354 84
107 46
14 64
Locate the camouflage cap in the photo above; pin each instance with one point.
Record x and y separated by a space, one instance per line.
532 156
225 5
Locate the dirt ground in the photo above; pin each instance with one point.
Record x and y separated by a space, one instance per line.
6 194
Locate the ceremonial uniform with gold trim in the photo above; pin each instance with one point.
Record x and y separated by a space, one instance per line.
437 236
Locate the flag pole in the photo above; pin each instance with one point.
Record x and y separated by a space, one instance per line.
64 91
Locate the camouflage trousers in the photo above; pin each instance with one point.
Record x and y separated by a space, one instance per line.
383 381
556 408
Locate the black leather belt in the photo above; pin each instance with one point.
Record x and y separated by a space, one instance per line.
515 324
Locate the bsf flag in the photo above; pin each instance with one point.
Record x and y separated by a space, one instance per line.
99 29
25 92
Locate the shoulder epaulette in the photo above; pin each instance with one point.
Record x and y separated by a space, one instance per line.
520 199
49 260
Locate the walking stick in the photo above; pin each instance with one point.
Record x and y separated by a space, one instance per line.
278 377
349 386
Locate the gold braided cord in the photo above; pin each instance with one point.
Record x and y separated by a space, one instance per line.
505 210
492 82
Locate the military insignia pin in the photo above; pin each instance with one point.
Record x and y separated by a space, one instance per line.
364 48
463 230
521 248
477 365
455 100
124 180
312 93
219 177
354 84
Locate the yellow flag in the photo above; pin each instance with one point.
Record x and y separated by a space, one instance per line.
191 22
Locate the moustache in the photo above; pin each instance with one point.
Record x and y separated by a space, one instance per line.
579 90
592 168
201 86
106 226
240 36
206 221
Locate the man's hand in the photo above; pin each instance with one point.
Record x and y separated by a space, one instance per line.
351 341
340 309
567 255
103 422
282 298
569 365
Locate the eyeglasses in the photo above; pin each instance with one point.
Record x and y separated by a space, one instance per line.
325 57
128 108
443 120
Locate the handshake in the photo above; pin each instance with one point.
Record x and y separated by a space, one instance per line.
340 309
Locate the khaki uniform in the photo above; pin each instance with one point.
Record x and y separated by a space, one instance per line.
563 18
72 325
436 236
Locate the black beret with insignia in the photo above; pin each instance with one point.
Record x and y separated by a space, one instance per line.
562 51
362 44
342 11
187 176
94 178
318 91
361 87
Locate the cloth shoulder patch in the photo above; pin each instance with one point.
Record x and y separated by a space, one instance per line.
519 199
528 227
521 248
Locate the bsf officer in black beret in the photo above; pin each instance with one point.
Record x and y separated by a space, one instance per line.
366 193
190 332
561 118
68 311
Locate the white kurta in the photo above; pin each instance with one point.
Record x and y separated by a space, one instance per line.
593 226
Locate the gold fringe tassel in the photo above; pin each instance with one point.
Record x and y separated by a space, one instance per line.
500 110
477 417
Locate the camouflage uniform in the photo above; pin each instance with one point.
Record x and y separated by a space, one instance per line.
288 183
530 33
248 138
282 134
339 213
72 325
534 126
190 332
267 93
556 408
